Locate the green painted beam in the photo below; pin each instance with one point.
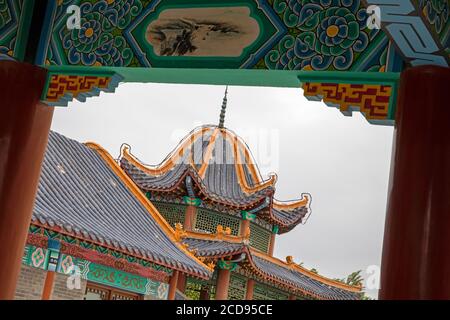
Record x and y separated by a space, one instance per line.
239 77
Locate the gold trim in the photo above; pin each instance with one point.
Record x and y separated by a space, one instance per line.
171 159
208 154
234 140
166 228
303 202
215 237
306 272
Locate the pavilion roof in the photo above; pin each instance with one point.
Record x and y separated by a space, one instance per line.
223 171
83 191
265 267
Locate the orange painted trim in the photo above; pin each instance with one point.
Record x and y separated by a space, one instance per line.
287 205
270 278
306 272
104 245
48 285
215 237
173 284
208 153
240 170
171 160
166 228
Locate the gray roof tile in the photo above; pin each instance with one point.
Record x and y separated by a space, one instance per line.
75 189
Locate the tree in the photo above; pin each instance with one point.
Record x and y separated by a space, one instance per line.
355 279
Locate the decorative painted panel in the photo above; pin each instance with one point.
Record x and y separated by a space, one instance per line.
83 249
41 258
223 34
62 88
373 101
14 24
36 257
436 14
419 29
113 277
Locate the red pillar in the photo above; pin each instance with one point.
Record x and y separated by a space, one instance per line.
48 285
223 283
181 282
250 287
292 297
173 285
204 294
416 259
189 217
244 226
24 128
272 244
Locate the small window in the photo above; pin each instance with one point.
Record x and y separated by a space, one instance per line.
99 292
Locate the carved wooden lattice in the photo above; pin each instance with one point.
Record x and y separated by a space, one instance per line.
194 287
263 292
207 220
259 237
173 213
237 288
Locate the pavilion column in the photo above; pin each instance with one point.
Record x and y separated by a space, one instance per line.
191 211
223 283
48 285
204 294
272 240
173 285
415 260
250 287
54 250
245 224
24 129
271 244
189 217
292 297
181 282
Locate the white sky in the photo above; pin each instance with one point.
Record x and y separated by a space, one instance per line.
343 162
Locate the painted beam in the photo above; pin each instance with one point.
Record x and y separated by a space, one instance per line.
420 29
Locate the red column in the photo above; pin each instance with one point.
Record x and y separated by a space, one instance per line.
416 259
223 283
272 244
204 294
181 283
244 226
250 287
24 128
189 217
173 285
48 285
292 297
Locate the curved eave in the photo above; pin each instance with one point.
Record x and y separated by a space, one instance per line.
181 172
294 267
288 217
165 227
176 156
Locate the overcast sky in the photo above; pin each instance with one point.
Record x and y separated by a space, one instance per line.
343 162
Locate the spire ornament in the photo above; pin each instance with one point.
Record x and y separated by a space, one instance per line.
223 110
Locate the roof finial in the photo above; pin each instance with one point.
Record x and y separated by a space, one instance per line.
224 107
